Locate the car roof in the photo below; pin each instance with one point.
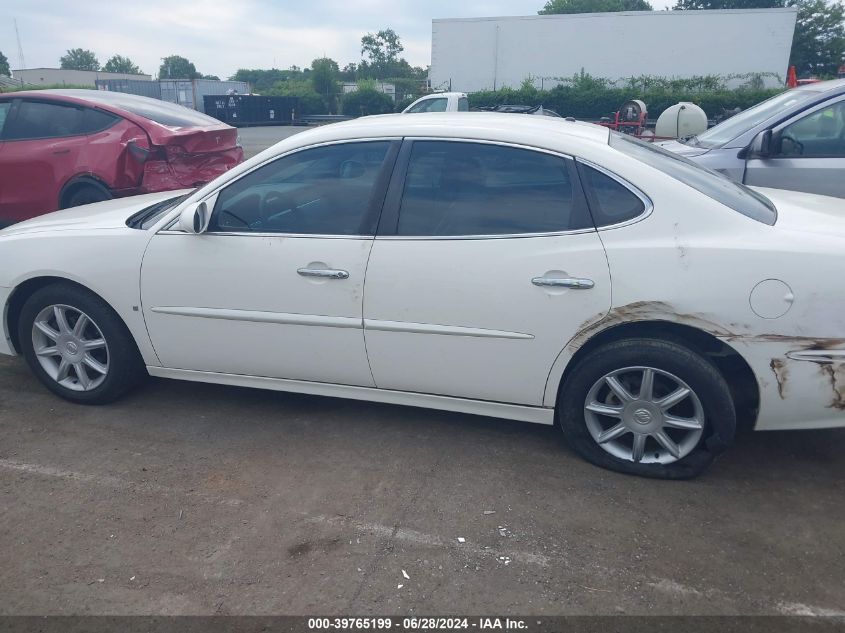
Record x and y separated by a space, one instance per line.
135 108
443 94
834 85
548 132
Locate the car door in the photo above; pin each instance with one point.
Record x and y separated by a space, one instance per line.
5 111
808 153
274 287
42 144
486 263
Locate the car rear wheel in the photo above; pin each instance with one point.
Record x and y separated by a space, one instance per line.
77 345
647 407
87 193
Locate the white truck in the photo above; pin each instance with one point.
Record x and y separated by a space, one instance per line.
440 102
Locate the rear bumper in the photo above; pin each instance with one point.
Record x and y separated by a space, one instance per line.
5 336
801 382
188 170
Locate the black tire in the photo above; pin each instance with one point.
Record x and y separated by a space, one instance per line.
696 371
125 366
88 193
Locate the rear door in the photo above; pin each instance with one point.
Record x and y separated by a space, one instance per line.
486 263
809 153
42 143
5 115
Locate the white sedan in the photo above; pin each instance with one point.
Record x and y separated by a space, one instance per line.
517 267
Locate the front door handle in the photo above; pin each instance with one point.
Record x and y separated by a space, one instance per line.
567 282
326 273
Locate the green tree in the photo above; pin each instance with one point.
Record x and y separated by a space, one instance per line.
349 72
121 64
727 4
177 67
819 42
381 51
79 59
594 6
324 73
366 100
4 65
309 101
263 80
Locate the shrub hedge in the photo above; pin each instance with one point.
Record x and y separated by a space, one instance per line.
594 102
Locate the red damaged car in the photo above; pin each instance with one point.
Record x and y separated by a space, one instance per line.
64 148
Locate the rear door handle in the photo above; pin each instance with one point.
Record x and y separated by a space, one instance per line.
327 273
568 282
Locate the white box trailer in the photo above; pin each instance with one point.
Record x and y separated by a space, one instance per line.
471 54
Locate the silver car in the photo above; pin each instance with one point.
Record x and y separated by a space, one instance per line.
795 140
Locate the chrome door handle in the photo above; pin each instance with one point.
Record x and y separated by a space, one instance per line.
577 284
327 273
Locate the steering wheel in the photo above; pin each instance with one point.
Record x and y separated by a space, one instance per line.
270 207
799 147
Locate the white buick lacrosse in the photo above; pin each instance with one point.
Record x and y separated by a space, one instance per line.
518 267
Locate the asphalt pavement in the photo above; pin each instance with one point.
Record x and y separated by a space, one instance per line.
200 499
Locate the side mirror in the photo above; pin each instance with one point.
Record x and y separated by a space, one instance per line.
195 218
761 146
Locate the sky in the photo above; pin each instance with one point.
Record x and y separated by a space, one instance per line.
220 36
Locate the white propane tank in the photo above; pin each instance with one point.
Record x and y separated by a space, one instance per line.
680 120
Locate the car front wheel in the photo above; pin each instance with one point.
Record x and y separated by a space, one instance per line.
647 407
86 194
77 345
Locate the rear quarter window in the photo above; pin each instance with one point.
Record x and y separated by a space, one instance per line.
610 201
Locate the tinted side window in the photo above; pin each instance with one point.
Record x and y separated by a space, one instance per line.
820 134
610 201
36 119
322 191
455 188
463 104
5 106
97 121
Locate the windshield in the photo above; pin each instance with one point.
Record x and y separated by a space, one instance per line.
727 131
731 194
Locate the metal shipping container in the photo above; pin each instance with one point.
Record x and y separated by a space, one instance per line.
190 92
245 110
203 87
179 91
131 86
471 54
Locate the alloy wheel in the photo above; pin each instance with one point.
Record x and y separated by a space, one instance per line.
644 415
70 347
